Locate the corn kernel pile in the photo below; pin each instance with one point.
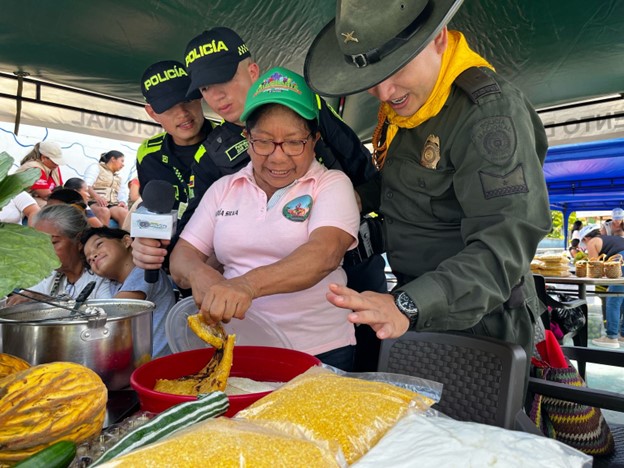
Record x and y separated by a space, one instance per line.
355 413
226 443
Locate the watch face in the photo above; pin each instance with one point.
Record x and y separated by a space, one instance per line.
405 304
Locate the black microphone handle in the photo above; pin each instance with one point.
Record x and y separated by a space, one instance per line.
151 276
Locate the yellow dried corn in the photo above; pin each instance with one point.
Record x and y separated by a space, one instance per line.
232 443
355 413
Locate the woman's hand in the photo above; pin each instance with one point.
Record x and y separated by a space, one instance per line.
223 300
101 201
374 309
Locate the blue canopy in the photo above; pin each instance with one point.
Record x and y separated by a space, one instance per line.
586 176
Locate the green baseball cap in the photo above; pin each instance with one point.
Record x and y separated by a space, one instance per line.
281 86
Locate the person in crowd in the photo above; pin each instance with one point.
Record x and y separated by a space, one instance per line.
21 206
574 238
104 185
617 216
108 254
224 78
169 155
596 245
65 224
61 195
47 156
576 229
304 218
134 193
461 186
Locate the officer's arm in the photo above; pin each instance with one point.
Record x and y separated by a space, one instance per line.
352 155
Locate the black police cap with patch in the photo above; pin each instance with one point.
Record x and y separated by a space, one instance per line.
213 57
165 84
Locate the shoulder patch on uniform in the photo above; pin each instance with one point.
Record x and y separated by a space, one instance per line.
495 138
495 185
477 84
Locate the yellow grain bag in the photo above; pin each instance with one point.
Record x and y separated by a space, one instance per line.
329 407
226 443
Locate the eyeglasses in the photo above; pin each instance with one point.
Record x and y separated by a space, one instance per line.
267 147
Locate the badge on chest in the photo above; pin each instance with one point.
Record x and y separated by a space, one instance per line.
431 152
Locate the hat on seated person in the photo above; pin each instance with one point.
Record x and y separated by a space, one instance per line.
281 86
213 57
369 41
165 84
617 213
53 151
587 230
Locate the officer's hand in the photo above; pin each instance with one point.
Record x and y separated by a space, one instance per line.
149 254
371 308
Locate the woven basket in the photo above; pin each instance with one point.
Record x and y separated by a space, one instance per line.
595 267
581 268
613 267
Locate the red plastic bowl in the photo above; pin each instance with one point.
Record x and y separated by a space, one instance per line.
254 362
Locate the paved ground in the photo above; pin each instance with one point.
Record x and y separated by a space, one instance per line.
599 376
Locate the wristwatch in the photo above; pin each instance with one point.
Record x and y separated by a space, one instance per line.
406 306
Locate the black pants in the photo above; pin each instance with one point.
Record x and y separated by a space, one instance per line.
368 275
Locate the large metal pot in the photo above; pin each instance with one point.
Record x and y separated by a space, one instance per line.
110 336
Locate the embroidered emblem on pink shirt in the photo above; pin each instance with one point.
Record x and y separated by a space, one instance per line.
298 209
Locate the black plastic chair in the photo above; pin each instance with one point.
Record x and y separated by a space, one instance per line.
587 396
483 378
579 338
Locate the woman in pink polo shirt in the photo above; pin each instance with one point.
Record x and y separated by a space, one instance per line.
280 227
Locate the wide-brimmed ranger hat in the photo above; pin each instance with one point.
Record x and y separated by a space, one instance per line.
369 40
213 57
165 84
281 86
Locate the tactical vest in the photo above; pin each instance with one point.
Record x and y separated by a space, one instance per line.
107 184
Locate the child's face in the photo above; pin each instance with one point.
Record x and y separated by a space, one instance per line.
105 256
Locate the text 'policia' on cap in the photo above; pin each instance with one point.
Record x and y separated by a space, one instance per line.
165 84
213 57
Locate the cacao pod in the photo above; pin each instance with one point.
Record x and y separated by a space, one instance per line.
10 364
47 403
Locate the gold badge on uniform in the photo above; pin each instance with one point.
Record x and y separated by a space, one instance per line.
431 152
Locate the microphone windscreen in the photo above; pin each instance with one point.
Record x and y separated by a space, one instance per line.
158 196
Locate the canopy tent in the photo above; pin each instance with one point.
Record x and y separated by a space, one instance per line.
586 176
557 52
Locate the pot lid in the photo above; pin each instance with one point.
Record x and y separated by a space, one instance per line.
36 313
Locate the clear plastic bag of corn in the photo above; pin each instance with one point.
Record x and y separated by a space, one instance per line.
329 407
226 443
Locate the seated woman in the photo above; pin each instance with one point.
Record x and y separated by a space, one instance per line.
47 156
65 224
280 227
108 254
104 184
71 197
21 206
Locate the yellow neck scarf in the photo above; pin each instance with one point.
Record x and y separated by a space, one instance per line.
457 58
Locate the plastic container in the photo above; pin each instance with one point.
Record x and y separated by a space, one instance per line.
254 362
253 330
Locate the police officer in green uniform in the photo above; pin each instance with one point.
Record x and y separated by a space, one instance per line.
461 187
169 155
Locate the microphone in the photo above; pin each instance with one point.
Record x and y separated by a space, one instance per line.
154 218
